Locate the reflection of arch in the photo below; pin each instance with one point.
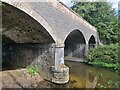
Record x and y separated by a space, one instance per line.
75 44
92 41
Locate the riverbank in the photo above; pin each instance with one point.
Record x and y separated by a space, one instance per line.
104 65
19 78
104 56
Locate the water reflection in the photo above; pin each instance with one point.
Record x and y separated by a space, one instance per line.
85 76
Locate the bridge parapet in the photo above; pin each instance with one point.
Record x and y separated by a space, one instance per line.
70 12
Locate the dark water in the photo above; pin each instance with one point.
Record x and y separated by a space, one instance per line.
81 74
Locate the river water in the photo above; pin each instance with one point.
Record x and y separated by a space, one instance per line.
86 76
81 75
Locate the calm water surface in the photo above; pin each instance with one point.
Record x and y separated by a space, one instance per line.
81 73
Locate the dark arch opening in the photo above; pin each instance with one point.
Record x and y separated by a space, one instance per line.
92 42
74 45
24 40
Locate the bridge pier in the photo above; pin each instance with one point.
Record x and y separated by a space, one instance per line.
86 48
60 70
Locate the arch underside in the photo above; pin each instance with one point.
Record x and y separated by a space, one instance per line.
24 40
75 45
22 28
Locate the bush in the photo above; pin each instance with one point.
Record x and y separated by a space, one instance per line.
104 55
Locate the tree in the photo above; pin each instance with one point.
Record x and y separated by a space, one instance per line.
102 16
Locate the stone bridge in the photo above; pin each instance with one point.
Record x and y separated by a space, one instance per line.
43 34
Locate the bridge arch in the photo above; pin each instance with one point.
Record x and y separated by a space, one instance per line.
25 42
73 31
25 26
75 45
92 42
26 8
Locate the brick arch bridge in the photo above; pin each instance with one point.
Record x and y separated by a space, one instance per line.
42 33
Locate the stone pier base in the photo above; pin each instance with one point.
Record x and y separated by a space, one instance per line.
61 76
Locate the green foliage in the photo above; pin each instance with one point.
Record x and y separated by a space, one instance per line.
107 53
103 64
32 70
109 84
104 55
102 16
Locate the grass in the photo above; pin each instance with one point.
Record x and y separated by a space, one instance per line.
32 70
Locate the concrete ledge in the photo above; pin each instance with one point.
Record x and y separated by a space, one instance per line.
74 59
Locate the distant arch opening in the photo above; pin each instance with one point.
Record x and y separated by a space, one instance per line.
74 45
24 40
92 42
